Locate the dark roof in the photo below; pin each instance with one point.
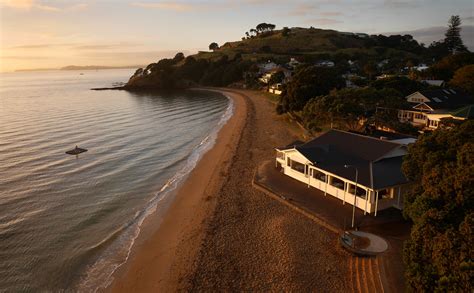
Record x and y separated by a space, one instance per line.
385 134
465 112
446 98
334 149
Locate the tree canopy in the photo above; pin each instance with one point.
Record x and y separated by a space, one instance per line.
403 85
464 79
213 46
439 254
307 83
453 38
347 108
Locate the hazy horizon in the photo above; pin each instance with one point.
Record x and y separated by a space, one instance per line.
53 34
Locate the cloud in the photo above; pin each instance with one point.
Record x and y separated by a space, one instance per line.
323 21
19 4
468 18
303 9
331 13
17 57
436 33
35 4
401 4
173 6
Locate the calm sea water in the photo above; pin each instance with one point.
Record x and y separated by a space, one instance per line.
68 222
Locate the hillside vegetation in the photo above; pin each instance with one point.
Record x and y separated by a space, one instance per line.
306 44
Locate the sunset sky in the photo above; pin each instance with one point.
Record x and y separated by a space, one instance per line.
51 34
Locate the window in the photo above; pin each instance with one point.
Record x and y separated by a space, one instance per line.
297 166
280 155
361 192
319 175
384 193
420 116
336 182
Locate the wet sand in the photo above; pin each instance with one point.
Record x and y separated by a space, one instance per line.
222 234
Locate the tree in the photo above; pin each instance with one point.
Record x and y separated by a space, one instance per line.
403 85
464 79
277 77
453 39
370 70
178 57
345 108
445 68
285 31
439 254
213 46
307 83
264 27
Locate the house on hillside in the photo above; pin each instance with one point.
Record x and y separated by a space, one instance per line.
293 63
350 167
433 82
276 89
267 67
325 63
265 78
428 107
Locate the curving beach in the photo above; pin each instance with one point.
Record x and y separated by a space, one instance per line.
220 233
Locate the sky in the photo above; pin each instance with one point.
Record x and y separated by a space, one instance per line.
56 33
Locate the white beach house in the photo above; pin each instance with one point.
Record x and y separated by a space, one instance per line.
330 163
430 106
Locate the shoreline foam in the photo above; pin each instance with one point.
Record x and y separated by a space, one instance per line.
99 275
162 235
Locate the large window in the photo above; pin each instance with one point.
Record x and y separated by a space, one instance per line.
361 192
385 193
319 175
336 182
297 166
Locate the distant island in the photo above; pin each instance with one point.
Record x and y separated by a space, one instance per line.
79 67
97 67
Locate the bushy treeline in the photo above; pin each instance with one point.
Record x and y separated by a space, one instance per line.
439 255
320 98
183 71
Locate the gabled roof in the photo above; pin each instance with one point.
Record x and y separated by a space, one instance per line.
446 98
465 112
434 82
334 149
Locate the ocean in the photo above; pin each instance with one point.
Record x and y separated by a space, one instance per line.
68 222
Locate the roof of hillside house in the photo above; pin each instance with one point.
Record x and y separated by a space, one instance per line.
435 82
334 149
464 112
446 98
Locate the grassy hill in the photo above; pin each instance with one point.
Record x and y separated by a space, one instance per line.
228 63
315 43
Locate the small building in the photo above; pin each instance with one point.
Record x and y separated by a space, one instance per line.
267 76
430 106
267 67
293 63
325 63
330 163
276 89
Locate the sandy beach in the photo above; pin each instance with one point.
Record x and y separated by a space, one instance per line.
222 234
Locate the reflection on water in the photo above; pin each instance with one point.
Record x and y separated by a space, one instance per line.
60 214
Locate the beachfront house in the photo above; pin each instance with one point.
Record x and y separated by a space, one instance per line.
428 107
330 163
